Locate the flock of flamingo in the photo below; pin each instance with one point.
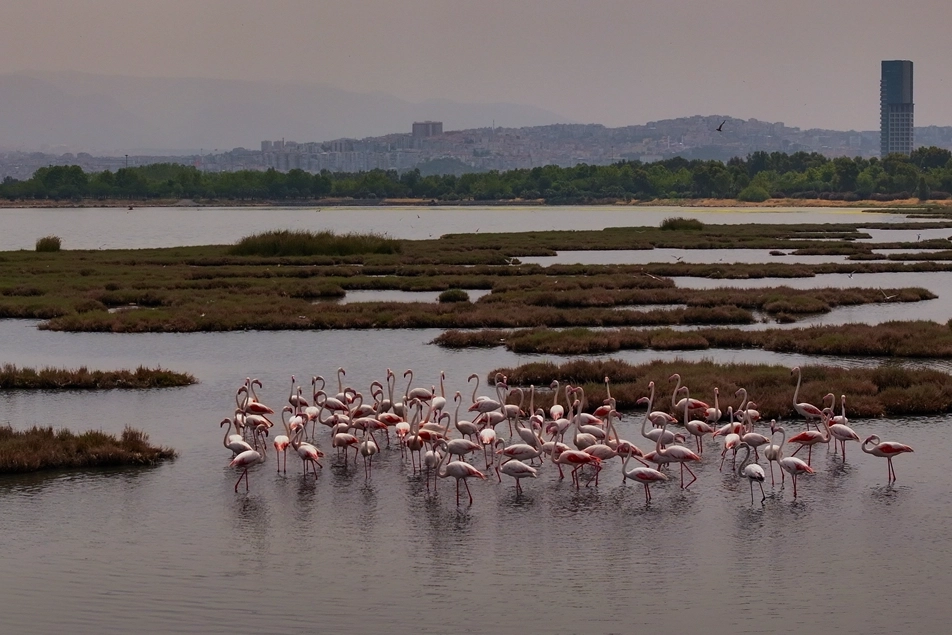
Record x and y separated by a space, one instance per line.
421 423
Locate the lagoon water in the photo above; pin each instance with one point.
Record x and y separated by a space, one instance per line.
174 549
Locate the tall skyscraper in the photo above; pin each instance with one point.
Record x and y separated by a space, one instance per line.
895 107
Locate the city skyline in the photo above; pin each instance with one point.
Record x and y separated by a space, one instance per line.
614 63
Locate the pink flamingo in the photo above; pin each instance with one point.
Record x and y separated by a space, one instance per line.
234 442
514 468
773 453
245 460
839 430
644 475
693 404
575 458
697 427
807 410
309 453
809 438
675 454
887 449
752 472
731 441
794 467
460 470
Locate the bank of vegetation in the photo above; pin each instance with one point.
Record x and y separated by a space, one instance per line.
916 339
16 378
289 280
870 392
48 449
926 175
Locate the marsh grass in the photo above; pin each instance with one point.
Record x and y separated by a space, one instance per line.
679 223
916 339
45 449
14 378
883 391
49 243
210 288
306 243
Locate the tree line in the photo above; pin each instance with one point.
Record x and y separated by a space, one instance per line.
926 174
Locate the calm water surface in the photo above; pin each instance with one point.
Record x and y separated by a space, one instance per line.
173 549
114 228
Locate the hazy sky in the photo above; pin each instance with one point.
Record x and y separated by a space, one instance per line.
808 63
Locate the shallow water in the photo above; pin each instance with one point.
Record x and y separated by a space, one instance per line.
174 549
696 256
116 228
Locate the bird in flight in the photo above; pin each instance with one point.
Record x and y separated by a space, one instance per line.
886 297
677 258
851 273
720 128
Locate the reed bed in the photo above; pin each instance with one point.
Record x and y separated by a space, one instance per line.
47 449
14 378
307 243
883 391
917 339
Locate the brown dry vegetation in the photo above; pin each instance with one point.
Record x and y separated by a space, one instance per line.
45 449
921 339
13 378
869 392
210 288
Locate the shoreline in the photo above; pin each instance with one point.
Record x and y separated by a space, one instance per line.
903 204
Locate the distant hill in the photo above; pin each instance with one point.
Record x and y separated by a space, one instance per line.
115 114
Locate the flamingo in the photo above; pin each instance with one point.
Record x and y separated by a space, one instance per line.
773 453
674 454
752 472
751 438
465 428
555 410
745 409
309 453
839 430
245 460
575 458
644 475
711 415
295 399
368 448
809 438
514 468
234 442
807 410
656 433
697 427
252 404
887 449
693 404
731 441
794 467
460 470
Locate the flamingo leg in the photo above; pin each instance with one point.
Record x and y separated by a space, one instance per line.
244 475
772 482
469 492
457 492
810 456
647 494
794 477
685 467
797 450
751 492
763 496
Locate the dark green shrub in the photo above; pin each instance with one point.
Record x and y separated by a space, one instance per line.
680 223
48 243
454 295
753 194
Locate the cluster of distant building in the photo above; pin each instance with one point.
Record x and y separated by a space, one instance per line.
561 144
